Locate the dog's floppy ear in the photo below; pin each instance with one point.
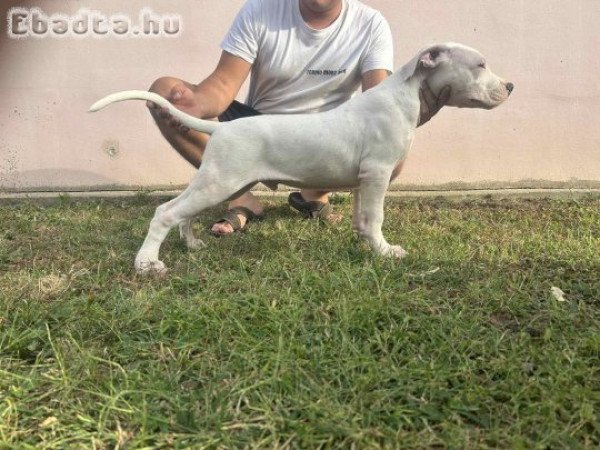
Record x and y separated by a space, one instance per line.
433 56
426 59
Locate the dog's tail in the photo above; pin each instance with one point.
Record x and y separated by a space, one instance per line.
205 126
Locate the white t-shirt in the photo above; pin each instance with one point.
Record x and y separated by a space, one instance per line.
296 69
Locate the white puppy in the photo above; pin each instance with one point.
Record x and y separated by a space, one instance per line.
355 146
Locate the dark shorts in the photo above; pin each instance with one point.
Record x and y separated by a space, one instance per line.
237 110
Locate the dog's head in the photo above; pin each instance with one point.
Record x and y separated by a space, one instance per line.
466 71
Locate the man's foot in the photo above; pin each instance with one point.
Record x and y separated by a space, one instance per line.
235 219
241 210
313 209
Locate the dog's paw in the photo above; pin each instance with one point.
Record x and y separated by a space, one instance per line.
397 252
186 233
194 244
151 268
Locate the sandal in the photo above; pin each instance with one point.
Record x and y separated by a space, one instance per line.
310 209
231 217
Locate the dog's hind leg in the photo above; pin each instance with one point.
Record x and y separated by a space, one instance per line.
187 234
201 194
165 218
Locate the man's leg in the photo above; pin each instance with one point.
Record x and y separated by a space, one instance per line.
191 145
323 196
311 195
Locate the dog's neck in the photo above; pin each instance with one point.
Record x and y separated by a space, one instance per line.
404 85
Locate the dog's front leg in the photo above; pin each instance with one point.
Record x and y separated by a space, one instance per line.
371 199
356 210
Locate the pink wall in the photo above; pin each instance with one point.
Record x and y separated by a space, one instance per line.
547 135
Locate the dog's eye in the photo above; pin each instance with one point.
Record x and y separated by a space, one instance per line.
482 65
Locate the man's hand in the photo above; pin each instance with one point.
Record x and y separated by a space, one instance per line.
430 105
183 98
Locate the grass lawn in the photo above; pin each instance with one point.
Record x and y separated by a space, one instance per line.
294 335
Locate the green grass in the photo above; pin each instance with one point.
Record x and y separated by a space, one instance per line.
294 335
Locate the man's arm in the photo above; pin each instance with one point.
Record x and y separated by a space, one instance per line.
219 89
210 97
372 78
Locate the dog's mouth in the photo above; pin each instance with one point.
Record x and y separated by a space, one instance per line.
480 104
476 103
495 99
474 99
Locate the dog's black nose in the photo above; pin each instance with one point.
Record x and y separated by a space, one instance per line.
510 87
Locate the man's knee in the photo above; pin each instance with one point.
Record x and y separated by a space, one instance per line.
191 144
163 85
